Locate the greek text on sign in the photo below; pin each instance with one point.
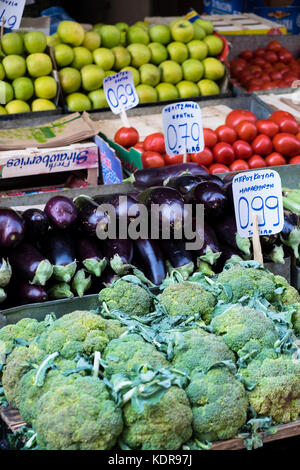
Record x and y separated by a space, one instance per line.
183 129
120 92
11 12
258 192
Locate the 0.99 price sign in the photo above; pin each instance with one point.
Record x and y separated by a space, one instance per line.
258 192
120 92
183 129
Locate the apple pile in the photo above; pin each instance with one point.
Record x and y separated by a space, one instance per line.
242 143
265 68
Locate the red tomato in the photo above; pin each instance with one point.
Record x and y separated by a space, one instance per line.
271 57
155 143
298 136
259 61
256 161
286 144
226 134
285 56
265 77
139 146
295 159
256 82
274 46
218 168
239 165
247 55
268 86
285 121
260 52
246 130
152 160
238 115
174 159
242 149
252 88
276 75
203 158
223 153
267 127
210 137
262 145
126 136
275 159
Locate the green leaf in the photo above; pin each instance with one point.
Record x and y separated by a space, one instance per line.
47 364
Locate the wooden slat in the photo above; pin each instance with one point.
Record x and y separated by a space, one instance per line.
12 418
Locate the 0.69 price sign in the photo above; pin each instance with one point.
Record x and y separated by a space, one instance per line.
120 92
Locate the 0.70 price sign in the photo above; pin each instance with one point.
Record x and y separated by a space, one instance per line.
120 92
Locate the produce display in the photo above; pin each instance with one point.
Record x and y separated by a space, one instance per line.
265 68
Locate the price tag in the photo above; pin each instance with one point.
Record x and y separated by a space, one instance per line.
258 192
120 92
183 129
11 13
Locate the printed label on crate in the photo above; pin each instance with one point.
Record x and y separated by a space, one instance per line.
120 92
183 129
258 192
11 13
111 167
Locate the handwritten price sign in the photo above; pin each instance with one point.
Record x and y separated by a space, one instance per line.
120 92
258 192
11 13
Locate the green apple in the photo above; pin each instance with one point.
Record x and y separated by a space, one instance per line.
197 49
17 106
14 66
171 72
150 74
97 98
122 26
167 91
182 31
41 104
23 88
140 54
45 87
137 35
92 40
97 27
135 74
2 110
6 92
174 21
199 32
78 102
193 70
178 51
63 54
208 87
92 77
53 40
108 73
2 72
71 33
123 39
141 24
122 57
35 41
160 33
104 58
187 89
38 64
158 53
213 68
70 79
110 36
12 43
82 57
146 93
215 44
206 25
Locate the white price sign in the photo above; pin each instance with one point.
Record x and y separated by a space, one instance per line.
258 192
183 129
120 92
11 13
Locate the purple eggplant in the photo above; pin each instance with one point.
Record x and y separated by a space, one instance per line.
226 231
26 293
12 228
156 176
91 218
290 234
108 277
5 272
184 183
61 212
210 250
211 196
149 258
227 252
29 264
59 249
177 257
36 224
125 206
120 253
90 255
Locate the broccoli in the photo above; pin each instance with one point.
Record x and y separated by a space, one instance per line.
78 416
277 387
26 329
219 404
198 349
189 299
296 318
244 329
290 295
128 297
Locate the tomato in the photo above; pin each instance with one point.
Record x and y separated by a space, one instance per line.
226 134
247 55
298 136
295 160
252 88
152 160
274 46
287 144
268 86
238 115
285 121
265 77
259 61
246 130
271 57
256 82
210 137
155 143
267 127
239 165
262 145
285 56
256 161
276 75
203 158
218 168
139 146
275 159
174 159
223 153
260 52
126 136
242 149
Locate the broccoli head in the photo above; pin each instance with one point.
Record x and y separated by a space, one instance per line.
26 329
290 295
296 319
128 297
164 426
189 299
219 404
78 416
277 389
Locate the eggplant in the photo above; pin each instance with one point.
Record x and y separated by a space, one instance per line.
120 253
90 255
59 248
81 282
12 228
36 224
107 277
61 211
122 204
290 234
210 250
226 231
60 290
156 176
26 293
227 252
29 264
211 196
5 272
184 183
150 260
175 253
90 216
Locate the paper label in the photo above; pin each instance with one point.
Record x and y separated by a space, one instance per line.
120 92
11 13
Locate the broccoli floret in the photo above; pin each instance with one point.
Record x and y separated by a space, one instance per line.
296 319
127 297
78 416
198 349
123 353
244 329
219 404
189 299
290 295
26 329
277 390
164 426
